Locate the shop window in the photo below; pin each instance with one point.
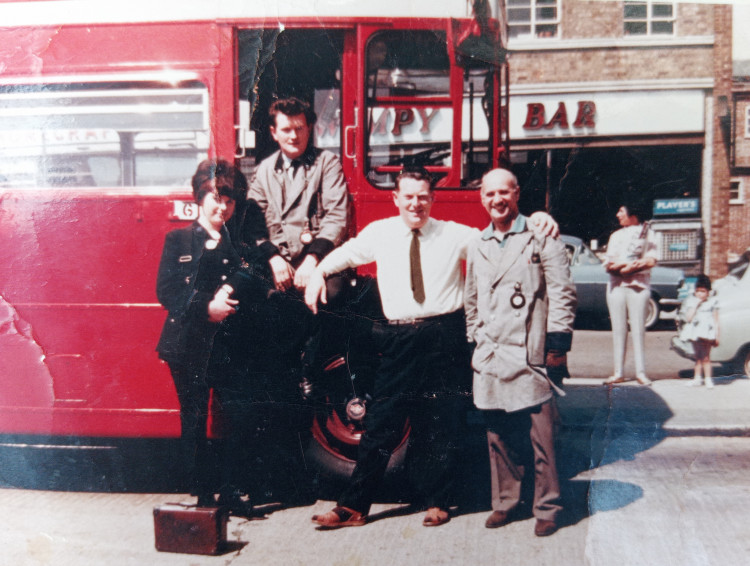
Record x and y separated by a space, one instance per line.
736 194
646 17
533 18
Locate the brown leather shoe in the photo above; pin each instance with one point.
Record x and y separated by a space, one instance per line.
497 519
545 528
435 517
340 517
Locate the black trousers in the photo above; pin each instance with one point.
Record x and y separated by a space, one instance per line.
304 336
424 376
253 375
198 453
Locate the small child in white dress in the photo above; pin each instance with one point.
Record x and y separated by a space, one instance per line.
700 314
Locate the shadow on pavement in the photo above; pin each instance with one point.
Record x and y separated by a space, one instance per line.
91 465
599 426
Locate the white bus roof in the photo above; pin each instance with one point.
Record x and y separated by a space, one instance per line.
60 12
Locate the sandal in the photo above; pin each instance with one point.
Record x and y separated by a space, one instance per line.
340 517
435 517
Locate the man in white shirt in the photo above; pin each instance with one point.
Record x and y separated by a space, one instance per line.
424 373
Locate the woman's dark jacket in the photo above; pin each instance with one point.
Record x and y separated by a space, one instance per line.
189 275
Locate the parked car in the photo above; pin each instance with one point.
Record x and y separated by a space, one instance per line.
733 292
591 280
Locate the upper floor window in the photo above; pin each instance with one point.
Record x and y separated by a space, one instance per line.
533 18
747 121
736 194
648 17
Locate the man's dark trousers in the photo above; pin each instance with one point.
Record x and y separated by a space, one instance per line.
424 376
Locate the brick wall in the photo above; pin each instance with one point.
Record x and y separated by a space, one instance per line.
601 20
739 219
719 223
739 213
590 19
612 64
741 143
695 19
583 20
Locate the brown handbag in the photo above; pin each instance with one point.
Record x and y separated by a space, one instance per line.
189 529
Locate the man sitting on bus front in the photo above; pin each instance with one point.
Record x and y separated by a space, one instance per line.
302 193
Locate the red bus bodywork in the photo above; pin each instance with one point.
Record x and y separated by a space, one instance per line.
79 318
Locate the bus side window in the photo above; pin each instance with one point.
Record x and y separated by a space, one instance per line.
102 135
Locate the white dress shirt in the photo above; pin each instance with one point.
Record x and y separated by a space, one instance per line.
443 247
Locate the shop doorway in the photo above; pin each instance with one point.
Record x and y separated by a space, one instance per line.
583 187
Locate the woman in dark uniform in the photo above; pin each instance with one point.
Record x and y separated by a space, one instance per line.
198 276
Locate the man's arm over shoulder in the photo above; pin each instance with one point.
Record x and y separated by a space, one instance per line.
543 224
470 292
463 235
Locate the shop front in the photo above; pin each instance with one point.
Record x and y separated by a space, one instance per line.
583 154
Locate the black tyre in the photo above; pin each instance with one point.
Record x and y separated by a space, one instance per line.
337 427
652 312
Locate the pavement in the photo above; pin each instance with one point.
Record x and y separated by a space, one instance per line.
667 408
651 475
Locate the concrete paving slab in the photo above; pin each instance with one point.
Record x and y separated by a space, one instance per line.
681 501
668 406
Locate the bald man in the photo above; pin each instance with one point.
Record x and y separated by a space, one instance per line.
520 305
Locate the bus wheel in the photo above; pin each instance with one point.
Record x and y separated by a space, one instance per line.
336 431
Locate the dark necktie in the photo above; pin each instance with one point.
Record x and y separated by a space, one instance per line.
294 166
415 263
291 173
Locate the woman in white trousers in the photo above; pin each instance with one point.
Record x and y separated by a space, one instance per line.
631 253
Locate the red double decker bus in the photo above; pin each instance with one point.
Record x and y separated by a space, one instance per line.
107 108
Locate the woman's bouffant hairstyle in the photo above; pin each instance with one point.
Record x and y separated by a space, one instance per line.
229 181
